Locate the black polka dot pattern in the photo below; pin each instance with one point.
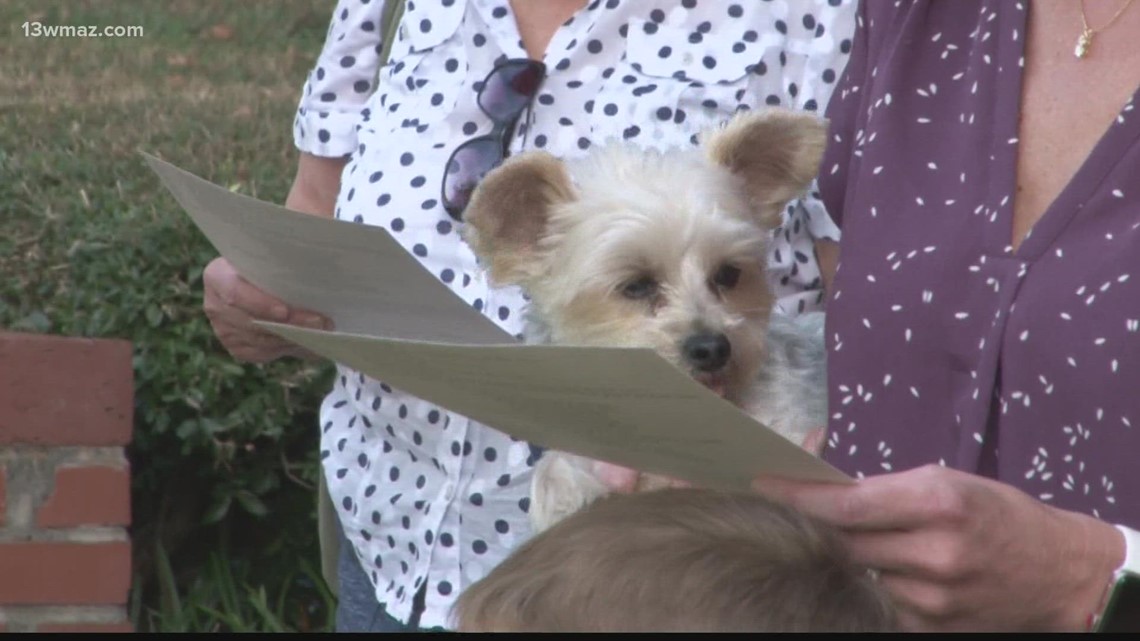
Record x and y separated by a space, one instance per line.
426 495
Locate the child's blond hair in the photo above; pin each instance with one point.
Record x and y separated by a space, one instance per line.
679 560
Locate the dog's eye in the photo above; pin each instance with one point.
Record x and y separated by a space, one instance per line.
726 277
640 288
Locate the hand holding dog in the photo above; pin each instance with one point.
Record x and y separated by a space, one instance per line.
232 304
961 552
624 479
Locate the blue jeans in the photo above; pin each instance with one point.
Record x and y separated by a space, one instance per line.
357 609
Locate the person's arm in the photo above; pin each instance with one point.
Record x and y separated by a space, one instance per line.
324 130
954 550
316 185
958 552
343 79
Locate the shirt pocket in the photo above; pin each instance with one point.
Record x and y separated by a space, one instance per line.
689 77
428 64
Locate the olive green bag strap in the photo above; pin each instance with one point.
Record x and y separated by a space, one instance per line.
327 529
393 11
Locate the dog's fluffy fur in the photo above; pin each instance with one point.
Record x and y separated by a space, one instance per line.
633 248
678 560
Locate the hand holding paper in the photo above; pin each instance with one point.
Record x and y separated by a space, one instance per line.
233 303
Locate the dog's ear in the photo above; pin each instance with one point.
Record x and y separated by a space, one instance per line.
775 151
509 212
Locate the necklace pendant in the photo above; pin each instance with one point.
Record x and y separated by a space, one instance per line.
1083 44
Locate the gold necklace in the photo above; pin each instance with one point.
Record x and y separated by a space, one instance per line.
1084 41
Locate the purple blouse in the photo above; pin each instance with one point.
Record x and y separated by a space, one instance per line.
945 345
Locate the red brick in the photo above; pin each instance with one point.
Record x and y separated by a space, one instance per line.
57 390
85 627
53 573
87 496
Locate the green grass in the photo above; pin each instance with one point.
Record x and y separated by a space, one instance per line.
211 86
222 599
91 245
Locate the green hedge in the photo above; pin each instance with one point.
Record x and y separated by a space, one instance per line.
224 454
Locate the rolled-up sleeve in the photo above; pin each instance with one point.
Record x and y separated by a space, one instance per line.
339 85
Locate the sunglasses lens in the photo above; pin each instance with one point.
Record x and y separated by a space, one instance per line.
509 89
505 94
467 166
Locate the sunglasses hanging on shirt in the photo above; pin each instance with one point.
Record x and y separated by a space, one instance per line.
505 94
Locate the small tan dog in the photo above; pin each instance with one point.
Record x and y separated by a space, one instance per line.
633 248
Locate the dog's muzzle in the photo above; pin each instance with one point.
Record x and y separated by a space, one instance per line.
707 351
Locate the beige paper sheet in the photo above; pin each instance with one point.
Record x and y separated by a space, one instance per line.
627 406
356 274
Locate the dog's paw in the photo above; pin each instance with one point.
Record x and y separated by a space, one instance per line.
562 485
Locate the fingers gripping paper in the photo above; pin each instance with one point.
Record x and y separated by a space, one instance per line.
628 406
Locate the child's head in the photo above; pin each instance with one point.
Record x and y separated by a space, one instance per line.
678 560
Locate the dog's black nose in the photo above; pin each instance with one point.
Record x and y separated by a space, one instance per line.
707 351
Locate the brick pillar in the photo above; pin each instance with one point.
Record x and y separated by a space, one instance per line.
66 406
